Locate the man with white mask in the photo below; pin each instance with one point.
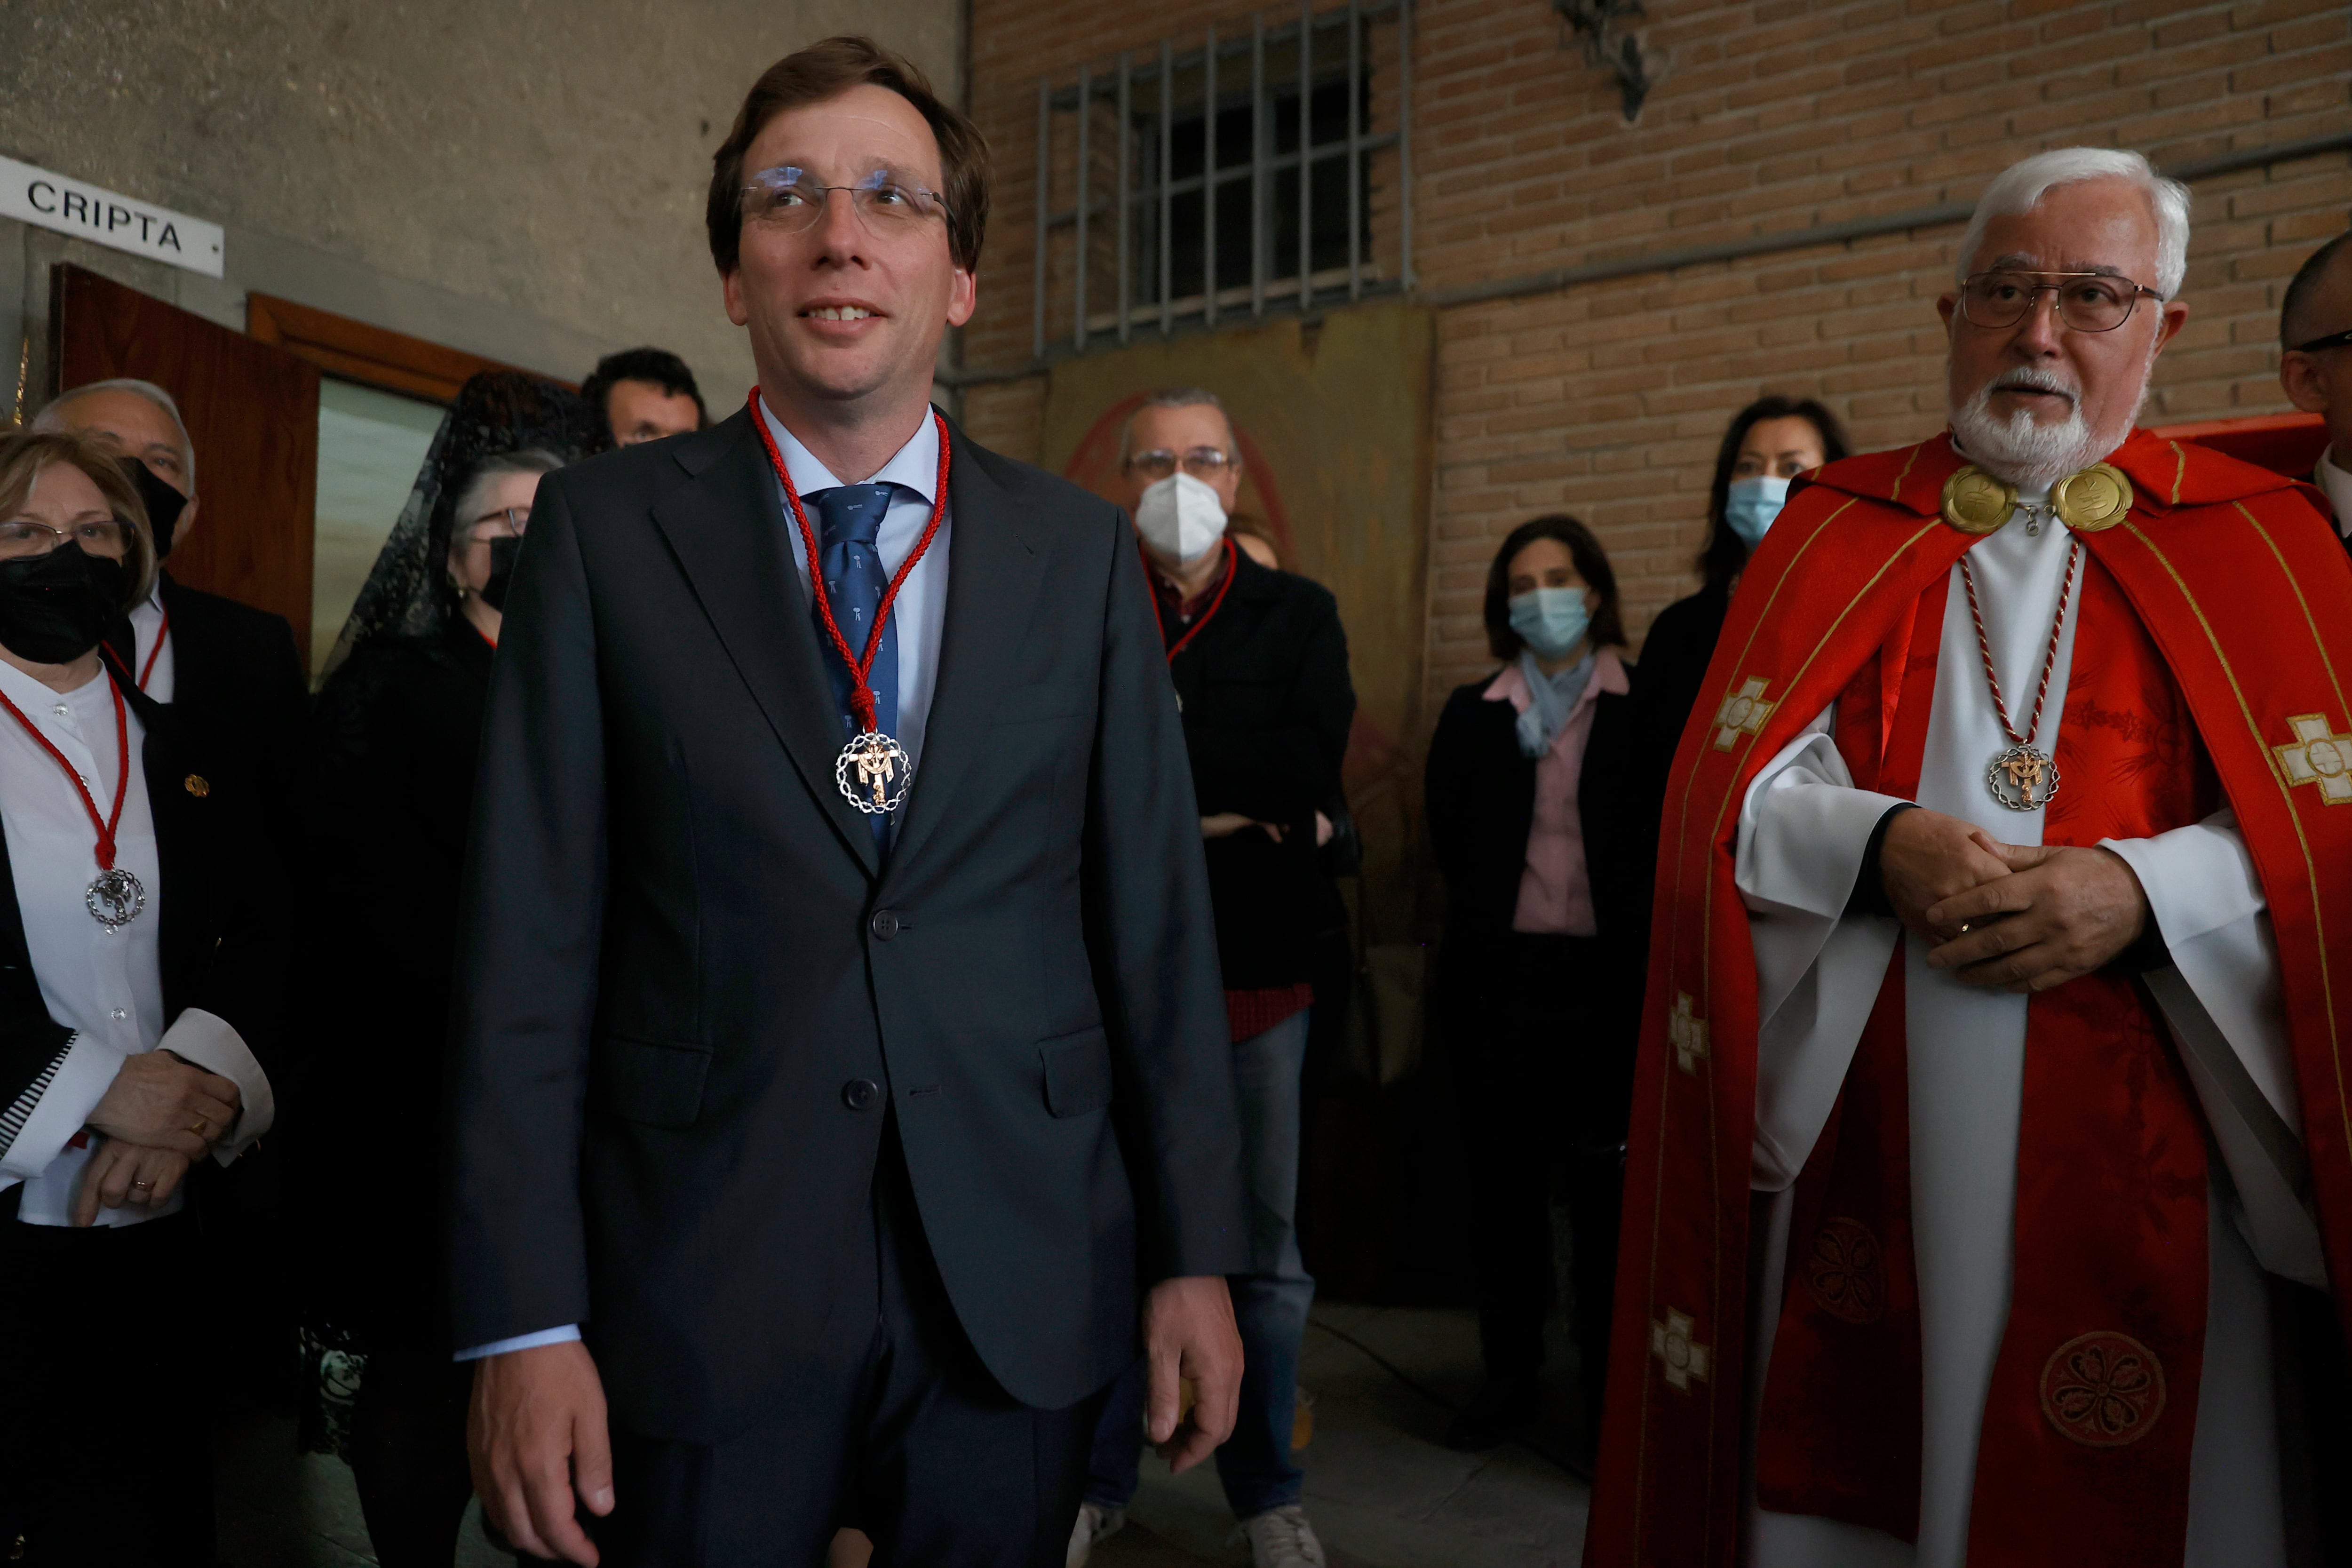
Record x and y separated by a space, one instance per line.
1988 1099
1260 668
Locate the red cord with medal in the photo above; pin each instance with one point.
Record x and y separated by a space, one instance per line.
114 897
2024 777
872 770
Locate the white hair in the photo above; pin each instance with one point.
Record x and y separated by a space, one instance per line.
52 417
2018 188
1169 397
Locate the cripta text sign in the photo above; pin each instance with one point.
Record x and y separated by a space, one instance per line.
53 201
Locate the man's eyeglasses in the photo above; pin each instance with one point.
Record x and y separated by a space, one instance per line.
2332 341
24 537
2087 301
790 200
1204 463
507 522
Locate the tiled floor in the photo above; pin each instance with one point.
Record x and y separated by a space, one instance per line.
1381 1488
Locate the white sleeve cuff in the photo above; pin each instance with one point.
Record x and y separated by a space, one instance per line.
563 1335
207 1041
81 1082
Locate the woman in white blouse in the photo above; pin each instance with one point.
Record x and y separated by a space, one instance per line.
134 994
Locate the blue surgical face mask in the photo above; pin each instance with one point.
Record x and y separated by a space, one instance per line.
1551 620
1751 506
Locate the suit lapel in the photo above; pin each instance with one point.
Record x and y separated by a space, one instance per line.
727 533
993 569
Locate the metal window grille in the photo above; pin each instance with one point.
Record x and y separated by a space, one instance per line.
1266 166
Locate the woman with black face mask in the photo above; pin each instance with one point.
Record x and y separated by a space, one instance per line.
394 738
138 991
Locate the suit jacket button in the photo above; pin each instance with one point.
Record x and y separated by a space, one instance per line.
884 925
860 1093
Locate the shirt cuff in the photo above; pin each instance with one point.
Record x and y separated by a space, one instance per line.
207 1041
80 1081
563 1335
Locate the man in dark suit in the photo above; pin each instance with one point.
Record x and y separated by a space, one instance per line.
230 668
817 1136
2315 364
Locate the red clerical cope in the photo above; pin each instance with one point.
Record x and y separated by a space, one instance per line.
2215 641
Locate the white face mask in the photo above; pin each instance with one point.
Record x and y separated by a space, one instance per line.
1180 518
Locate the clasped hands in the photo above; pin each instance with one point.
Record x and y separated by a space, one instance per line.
159 1117
2007 916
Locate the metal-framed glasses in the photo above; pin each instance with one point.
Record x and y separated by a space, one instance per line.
24 537
1204 463
507 521
790 200
2087 301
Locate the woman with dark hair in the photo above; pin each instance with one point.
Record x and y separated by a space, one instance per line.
1768 443
393 745
1532 805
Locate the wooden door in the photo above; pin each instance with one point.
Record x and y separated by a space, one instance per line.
252 410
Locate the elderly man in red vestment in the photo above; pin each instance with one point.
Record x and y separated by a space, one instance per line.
1992 1080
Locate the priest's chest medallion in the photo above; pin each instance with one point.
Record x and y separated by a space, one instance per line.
2023 778
873 772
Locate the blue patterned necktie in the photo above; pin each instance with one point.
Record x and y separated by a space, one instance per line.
849 520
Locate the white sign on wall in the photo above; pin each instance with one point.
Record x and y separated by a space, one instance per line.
88 212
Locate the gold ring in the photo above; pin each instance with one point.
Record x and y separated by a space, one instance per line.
1964 928
202 1128
142 1183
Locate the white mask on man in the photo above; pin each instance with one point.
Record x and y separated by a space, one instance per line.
1180 518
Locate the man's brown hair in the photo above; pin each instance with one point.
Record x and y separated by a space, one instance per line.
828 69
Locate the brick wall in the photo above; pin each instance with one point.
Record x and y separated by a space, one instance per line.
1608 399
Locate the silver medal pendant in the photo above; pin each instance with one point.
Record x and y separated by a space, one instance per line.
115 899
2023 778
873 772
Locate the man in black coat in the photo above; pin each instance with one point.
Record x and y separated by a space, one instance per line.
817 1136
1260 668
230 668
2315 364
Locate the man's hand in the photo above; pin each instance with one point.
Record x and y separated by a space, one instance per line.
1225 824
536 1437
1928 857
163 1102
2060 913
1189 1332
121 1174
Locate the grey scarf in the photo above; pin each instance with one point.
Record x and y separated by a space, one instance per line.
1552 698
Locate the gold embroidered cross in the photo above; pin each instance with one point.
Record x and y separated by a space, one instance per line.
1670 1341
2318 757
1742 713
1688 1032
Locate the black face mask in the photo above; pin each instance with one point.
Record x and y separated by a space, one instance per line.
55 607
163 503
504 551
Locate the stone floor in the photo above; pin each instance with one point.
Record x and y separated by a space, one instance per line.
1381 1488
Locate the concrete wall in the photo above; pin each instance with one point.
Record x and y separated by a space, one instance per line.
519 178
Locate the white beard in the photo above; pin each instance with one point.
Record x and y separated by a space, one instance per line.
2031 456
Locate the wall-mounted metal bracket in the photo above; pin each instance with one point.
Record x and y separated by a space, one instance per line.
1602 28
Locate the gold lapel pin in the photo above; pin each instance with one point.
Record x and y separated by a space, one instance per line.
197 787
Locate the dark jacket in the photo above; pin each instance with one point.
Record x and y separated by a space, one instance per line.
236 671
395 743
1674 671
220 947
1267 706
690 993
1480 807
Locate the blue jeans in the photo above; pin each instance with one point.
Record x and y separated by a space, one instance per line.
1270 1302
